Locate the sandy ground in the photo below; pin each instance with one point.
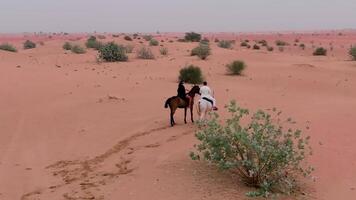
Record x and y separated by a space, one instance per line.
72 128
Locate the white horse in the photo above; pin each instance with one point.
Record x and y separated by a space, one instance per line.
204 108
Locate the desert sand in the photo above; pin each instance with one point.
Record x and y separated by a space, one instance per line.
72 128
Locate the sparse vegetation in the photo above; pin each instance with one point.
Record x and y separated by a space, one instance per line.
352 52
154 42
67 46
147 37
263 43
202 51
256 47
112 52
281 43
302 46
78 49
128 38
7 47
191 74
320 51
145 53
93 43
269 48
163 51
226 44
244 44
102 37
236 67
281 48
258 147
29 44
192 37
205 41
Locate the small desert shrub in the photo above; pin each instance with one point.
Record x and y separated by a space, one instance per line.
191 74
205 41
7 47
112 52
244 44
128 38
93 43
202 51
67 46
281 48
29 44
135 35
269 48
302 46
236 67
216 40
145 53
265 152
352 52
226 44
281 43
41 43
163 51
129 48
147 37
181 40
263 43
296 40
102 37
154 42
320 51
78 49
115 35
256 47
192 37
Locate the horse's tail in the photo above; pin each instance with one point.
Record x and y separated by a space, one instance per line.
167 102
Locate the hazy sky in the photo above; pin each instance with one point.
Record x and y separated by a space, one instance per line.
174 15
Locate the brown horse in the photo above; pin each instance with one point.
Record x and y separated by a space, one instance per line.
176 102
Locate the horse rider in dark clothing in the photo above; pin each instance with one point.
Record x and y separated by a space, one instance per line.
182 93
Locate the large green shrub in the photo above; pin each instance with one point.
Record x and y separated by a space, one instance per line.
29 44
93 43
236 67
262 152
202 51
7 47
67 46
226 44
352 52
112 52
320 51
145 53
192 37
154 42
78 49
191 74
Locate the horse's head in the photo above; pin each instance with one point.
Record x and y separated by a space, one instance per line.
195 90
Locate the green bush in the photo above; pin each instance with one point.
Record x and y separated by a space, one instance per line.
145 53
256 47
226 44
7 47
154 42
93 43
29 45
236 67
192 37
352 52
262 152
147 37
163 51
128 38
281 43
78 49
270 48
191 74
67 46
129 48
244 44
320 51
202 51
112 52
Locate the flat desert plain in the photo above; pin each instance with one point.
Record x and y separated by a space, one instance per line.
72 128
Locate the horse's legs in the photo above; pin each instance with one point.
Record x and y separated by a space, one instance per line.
173 110
185 115
191 112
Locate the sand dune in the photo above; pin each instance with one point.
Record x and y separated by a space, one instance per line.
72 128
